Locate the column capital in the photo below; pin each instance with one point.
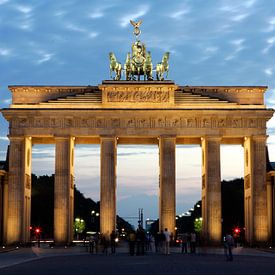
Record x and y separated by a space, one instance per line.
260 137
256 137
18 138
64 137
108 137
212 138
167 137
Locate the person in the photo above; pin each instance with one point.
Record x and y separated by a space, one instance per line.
162 241
184 243
140 240
167 235
228 246
132 241
193 240
105 244
113 241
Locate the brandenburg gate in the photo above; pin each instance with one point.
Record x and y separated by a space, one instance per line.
129 112
138 112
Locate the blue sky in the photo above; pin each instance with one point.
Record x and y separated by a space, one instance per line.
222 42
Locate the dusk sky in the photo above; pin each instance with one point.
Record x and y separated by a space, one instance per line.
66 42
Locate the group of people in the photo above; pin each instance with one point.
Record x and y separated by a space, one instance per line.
104 241
139 242
188 241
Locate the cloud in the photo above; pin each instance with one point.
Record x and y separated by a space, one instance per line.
270 43
73 27
45 57
4 138
93 34
208 52
5 52
23 9
268 71
7 101
238 46
140 11
2 2
239 17
180 12
271 25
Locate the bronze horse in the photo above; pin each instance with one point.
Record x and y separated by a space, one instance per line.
163 67
115 66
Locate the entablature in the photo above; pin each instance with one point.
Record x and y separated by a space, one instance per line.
137 94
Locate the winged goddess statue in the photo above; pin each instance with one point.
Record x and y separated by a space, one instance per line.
136 27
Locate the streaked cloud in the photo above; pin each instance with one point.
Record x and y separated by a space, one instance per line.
270 25
74 27
98 13
268 71
238 45
44 57
4 138
180 12
23 8
141 10
270 43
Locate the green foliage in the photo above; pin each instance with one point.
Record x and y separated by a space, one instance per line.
79 225
198 225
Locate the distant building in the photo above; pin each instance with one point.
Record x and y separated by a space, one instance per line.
148 224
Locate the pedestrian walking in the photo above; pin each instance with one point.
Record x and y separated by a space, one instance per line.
193 240
105 244
113 241
132 242
184 243
228 246
167 235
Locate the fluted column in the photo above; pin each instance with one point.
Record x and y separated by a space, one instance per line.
19 190
167 183
64 190
256 213
108 185
211 190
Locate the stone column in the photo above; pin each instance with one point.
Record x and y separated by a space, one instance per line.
211 190
64 190
167 183
19 190
108 185
255 205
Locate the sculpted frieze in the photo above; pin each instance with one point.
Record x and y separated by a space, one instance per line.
137 122
138 96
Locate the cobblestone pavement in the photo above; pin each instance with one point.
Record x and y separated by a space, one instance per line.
77 260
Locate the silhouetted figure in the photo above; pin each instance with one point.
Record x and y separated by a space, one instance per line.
162 240
113 241
184 243
140 240
105 244
228 246
167 235
193 240
132 242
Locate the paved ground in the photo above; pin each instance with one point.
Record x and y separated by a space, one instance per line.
77 260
